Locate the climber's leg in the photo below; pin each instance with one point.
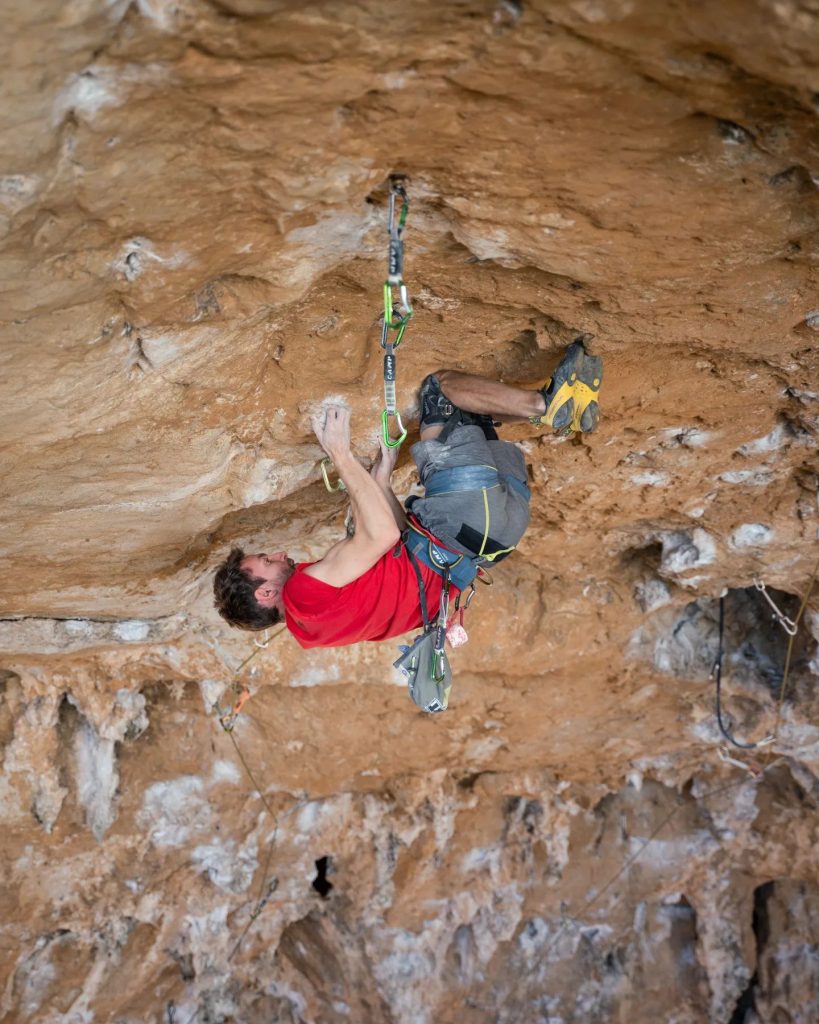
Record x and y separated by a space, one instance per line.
437 409
567 402
489 397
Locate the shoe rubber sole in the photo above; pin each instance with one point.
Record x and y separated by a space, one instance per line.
559 391
571 393
586 413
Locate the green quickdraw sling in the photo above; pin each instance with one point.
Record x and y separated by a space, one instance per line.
396 315
397 309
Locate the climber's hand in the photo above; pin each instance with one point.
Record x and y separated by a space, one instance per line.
332 428
384 464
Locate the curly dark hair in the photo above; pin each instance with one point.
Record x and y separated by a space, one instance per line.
234 591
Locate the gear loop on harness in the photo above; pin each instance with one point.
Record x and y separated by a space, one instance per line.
438 652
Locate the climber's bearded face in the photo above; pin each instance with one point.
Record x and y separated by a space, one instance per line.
274 570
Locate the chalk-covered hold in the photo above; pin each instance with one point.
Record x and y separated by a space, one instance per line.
751 535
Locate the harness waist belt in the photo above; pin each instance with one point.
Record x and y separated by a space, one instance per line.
462 568
472 478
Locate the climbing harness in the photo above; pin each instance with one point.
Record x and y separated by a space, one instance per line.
463 568
786 623
424 662
397 308
435 555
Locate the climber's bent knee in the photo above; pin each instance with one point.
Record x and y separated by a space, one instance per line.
442 376
435 406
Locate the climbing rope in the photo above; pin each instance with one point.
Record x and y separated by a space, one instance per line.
791 636
241 691
791 627
632 858
268 884
717 673
227 718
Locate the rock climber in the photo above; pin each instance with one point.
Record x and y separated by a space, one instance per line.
366 587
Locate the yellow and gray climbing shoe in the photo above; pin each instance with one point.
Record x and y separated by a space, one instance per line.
586 391
571 393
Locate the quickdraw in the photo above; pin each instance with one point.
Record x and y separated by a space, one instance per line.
784 621
228 716
397 314
438 652
397 308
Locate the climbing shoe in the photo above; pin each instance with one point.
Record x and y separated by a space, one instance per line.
571 393
435 406
586 391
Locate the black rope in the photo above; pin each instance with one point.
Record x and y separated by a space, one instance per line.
717 672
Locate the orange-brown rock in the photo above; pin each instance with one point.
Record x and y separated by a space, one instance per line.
192 208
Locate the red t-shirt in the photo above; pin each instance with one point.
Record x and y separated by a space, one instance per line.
382 603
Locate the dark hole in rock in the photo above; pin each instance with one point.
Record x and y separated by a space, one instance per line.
646 558
184 961
321 883
745 1009
685 642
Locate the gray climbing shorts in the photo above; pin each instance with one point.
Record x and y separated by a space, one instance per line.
491 517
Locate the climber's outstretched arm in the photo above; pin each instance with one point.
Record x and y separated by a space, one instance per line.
381 472
376 531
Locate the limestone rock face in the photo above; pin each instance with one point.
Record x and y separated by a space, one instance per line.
192 210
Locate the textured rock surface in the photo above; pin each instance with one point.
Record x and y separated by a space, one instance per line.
192 202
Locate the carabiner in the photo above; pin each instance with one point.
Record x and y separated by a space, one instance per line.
399 322
787 623
227 719
340 486
386 415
